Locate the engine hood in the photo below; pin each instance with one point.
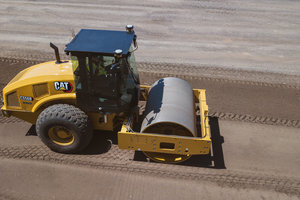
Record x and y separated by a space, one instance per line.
44 72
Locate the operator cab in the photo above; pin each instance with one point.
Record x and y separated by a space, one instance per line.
106 76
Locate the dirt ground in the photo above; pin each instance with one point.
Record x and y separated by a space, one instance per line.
255 153
253 35
246 56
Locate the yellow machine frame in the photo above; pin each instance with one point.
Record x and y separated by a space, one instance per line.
181 145
51 72
44 74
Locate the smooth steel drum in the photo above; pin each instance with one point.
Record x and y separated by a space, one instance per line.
170 110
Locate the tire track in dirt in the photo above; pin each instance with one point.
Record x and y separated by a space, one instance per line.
256 119
189 72
6 194
120 160
192 71
220 115
151 71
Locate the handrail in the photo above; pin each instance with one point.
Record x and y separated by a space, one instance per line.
201 97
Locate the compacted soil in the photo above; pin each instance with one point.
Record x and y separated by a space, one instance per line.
255 151
244 53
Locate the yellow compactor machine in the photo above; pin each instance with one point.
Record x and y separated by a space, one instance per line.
99 89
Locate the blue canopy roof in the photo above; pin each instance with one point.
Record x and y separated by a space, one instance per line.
100 41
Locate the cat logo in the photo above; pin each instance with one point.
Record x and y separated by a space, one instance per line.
63 86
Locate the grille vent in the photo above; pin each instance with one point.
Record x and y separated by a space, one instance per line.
40 90
12 99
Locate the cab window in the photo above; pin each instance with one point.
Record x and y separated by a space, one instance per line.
133 67
98 65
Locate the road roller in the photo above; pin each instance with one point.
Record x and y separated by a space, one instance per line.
99 90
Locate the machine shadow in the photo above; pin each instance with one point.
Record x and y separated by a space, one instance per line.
216 157
100 143
217 141
213 160
31 131
157 93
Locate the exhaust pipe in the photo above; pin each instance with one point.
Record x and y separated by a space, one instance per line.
56 53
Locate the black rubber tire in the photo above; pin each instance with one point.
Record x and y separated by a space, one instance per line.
69 117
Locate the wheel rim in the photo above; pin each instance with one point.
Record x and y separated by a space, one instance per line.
61 135
166 158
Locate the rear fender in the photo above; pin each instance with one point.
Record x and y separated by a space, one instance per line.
59 98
